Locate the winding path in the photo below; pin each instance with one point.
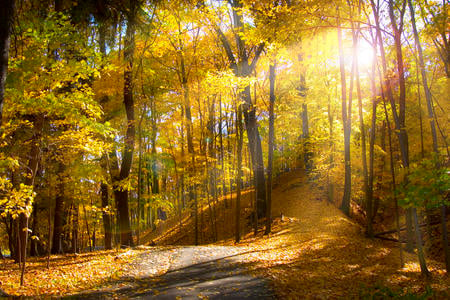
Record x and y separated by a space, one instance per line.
195 272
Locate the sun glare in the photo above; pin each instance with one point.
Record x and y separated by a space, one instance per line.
365 55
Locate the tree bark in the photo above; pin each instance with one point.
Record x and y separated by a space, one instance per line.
140 179
239 174
121 195
307 154
345 205
106 215
75 225
431 118
243 68
34 229
399 117
270 150
6 24
394 184
32 168
367 190
400 129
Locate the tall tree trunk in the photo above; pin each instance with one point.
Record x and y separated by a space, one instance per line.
394 184
255 147
399 117
239 174
423 265
307 154
28 180
86 222
367 190
58 217
154 161
400 129
121 196
12 245
183 77
139 187
270 150
75 225
211 170
345 205
330 183
6 25
34 229
243 69
32 168
431 118
106 215
222 153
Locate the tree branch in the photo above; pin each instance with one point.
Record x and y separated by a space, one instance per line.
257 55
227 46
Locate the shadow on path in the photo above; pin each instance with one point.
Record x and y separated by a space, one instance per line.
196 273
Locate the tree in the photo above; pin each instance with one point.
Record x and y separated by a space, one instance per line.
431 119
271 146
6 25
121 194
347 125
242 67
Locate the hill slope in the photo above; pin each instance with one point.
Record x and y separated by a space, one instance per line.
317 252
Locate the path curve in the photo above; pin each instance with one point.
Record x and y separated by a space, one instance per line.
195 272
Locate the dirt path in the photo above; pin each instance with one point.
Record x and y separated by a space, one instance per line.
211 272
195 272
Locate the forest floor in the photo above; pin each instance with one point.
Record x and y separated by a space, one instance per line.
316 252
313 252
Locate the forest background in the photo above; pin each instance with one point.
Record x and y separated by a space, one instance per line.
116 115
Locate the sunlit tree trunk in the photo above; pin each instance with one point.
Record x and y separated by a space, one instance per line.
330 184
307 154
140 179
401 133
399 118
240 133
222 153
431 119
367 190
270 150
346 120
211 169
394 184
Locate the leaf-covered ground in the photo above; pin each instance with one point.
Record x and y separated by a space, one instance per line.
72 273
316 252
